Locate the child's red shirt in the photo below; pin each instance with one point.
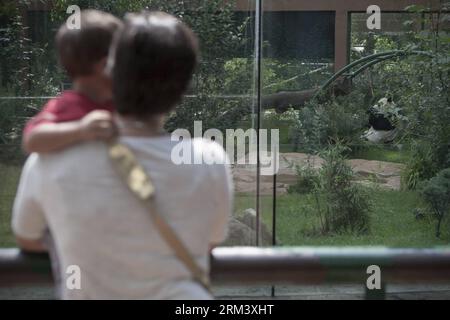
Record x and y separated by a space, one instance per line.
69 106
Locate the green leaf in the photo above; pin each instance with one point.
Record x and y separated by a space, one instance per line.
408 23
415 8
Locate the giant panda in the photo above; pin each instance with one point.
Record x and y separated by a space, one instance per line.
382 130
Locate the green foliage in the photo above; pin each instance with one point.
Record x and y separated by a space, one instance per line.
9 178
419 84
436 193
347 206
238 76
13 116
282 122
293 75
341 119
420 166
30 68
389 110
208 109
308 180
9 126
277 75
220 35
341 205
27 68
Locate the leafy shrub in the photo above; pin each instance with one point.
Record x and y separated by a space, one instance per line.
341 119
307 180
283 122
421 166
277 75
347 207
340 204
436 193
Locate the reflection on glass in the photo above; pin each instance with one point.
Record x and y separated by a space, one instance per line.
355 157
362 162
221 95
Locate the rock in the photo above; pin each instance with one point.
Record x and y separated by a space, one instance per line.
379 168
384 174
368 172
249 219
242 230
240 234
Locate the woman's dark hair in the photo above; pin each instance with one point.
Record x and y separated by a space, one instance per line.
154 56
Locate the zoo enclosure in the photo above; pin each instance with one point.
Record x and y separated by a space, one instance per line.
351 267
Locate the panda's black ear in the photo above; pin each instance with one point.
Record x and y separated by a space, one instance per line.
389 99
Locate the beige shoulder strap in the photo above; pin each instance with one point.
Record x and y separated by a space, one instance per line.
139 182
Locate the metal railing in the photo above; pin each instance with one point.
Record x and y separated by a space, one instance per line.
275 266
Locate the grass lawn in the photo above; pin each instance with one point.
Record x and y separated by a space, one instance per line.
381 153
392 221
9 177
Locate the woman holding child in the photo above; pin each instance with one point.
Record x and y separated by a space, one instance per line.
76 194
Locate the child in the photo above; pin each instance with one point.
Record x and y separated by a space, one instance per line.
83 113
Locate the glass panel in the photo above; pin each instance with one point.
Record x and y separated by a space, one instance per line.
222 94
355 157
350 153
298 57
406 135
